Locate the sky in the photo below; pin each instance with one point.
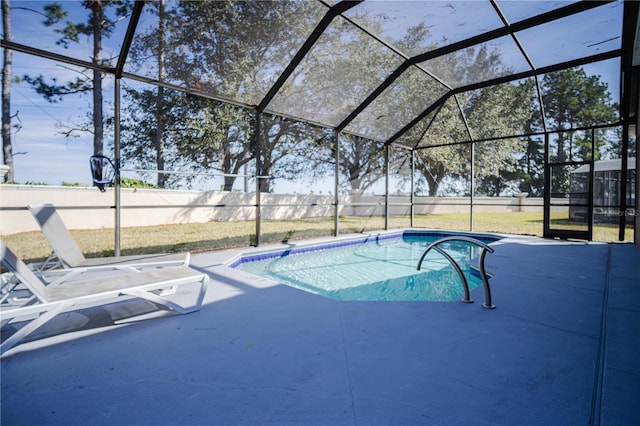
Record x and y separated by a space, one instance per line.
43 155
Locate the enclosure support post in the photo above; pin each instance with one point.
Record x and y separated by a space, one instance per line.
336 212
258 176
636 207
624 173
116 153
387 159
413 173
473 184
592 180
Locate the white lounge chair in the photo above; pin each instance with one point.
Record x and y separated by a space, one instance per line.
69 296
70 256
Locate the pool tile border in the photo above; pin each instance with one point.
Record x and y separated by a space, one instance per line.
282 252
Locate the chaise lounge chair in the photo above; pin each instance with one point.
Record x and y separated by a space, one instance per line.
69 296
71 258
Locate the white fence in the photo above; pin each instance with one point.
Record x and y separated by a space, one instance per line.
88 208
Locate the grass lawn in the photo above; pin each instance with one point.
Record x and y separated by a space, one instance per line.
200 237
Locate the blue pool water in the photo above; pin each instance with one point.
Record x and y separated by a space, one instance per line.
379 268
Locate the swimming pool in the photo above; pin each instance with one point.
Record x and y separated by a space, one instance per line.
381 267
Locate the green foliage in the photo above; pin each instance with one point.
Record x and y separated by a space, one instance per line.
227 49
236 50
103 16
70 32
135 183
361 161
54 13
572 99
530 172
54 92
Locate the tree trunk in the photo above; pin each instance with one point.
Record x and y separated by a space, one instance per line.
96 21
433 176
264 185
228 183
433 184
7 149
160 118
227 170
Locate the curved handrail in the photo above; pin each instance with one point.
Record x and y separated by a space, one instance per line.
485 281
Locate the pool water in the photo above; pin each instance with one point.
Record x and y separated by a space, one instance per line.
381 268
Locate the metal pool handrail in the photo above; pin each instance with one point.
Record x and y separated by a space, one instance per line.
485 282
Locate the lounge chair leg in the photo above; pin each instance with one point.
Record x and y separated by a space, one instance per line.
31 327
160 300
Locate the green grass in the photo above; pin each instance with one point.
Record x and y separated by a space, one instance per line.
201 237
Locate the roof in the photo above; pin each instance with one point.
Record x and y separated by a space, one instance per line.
607 165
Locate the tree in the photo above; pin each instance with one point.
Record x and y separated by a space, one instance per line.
448 159
160 116
613 148
286 144
496 111
153 43
98 26
138 127
530 173
251 42
361 162
347 66
571 100
216 136
491 112
500 110
226 49
7 149
199 134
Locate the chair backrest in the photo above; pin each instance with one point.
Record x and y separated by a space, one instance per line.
22 271
57 234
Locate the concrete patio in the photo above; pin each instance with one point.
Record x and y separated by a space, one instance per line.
561 348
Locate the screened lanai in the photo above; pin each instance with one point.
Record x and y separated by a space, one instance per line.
426 104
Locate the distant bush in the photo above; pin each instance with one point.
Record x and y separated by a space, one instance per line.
135 183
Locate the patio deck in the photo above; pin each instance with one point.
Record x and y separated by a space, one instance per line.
560 348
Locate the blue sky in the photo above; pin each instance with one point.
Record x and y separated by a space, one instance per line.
41 153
